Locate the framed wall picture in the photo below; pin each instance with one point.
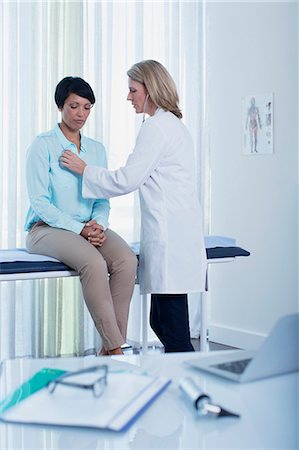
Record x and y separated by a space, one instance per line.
257 118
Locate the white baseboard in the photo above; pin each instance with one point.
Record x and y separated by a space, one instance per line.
235 337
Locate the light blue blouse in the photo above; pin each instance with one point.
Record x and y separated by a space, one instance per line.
54 192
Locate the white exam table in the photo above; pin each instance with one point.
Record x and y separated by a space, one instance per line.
18 264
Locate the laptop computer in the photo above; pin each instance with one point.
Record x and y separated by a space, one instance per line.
278 354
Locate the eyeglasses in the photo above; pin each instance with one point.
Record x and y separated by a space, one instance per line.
97 387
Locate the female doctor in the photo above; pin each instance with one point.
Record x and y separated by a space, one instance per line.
161 166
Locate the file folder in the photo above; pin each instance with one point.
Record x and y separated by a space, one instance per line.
126 396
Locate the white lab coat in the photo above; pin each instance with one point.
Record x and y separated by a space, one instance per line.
161 166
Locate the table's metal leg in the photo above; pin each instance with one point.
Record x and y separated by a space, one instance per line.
144 320
204 334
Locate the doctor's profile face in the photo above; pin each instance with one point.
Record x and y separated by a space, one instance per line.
137 95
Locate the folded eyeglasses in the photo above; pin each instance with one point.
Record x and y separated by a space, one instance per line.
97 387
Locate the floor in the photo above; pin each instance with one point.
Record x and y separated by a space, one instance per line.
134 348
212 346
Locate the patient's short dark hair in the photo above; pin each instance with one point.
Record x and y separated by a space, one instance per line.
73 85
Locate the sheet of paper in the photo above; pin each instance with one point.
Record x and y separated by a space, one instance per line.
219 241
21 254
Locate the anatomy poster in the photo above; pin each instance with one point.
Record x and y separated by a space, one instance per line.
258 124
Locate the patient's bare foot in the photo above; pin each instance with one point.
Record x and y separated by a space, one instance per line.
116 351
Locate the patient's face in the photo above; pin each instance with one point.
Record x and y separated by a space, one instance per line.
137 94
75 111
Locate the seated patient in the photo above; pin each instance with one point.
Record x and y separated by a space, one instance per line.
74 230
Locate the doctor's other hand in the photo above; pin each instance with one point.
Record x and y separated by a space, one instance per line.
72 162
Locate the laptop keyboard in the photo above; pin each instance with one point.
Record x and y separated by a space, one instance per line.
234 366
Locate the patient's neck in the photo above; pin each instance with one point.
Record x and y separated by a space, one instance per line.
73 136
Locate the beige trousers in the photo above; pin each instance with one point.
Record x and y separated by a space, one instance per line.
107 275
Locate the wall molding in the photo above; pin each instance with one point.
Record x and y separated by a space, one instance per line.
247 340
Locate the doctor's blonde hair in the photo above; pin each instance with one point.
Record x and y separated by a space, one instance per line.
159 84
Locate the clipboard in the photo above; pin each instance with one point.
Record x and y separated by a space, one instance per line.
126 396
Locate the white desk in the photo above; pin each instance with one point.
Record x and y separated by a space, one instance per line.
268 408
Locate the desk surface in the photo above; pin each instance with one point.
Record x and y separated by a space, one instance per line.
268 408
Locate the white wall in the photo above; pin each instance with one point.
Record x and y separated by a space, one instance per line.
252 48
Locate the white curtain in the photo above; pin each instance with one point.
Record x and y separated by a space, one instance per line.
40 43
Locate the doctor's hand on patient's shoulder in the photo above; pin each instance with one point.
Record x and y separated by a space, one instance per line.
72 162
93 233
